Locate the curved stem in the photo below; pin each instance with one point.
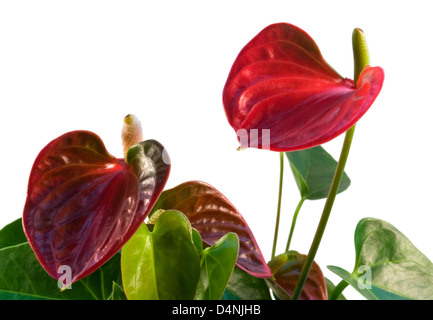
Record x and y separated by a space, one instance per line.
295 217
325 214
277 223
339 288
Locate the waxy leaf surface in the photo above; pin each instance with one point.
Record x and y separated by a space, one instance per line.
216 266
212 215
282 95
83 204
388 266
12 234
23 278
243 286
314 170
117 292
286 269
162 264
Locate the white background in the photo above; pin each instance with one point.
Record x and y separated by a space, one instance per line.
69 65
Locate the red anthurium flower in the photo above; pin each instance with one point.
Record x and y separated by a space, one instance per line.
282 95
213 216
286 269
83 204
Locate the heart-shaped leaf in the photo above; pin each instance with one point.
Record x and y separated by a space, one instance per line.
12 234
314 170
83 204
281 94
23 278
388 266
162 264
286 269
213 216
216 266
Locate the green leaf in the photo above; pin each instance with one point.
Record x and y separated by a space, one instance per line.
314 170
243 286
163 263
12 234
117 292
216 266
197 240
22 277
388 266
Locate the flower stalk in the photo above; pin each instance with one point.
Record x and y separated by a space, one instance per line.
361 60
280 190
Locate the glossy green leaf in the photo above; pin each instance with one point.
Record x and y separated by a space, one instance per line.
197 240
22 277
216 266
314 170
243 286
388 266
117 292
163 263
12 234
286 269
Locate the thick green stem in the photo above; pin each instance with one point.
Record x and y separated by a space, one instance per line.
339 288
295 217
325 214
361 60
280 191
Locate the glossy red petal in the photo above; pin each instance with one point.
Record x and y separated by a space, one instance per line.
83 204
289 267
212 215
282 95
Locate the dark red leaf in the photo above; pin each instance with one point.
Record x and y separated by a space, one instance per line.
282 95
286 269
212 215
83 204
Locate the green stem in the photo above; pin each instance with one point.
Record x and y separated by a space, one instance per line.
339 288
277 223
361 60
295 217
325 214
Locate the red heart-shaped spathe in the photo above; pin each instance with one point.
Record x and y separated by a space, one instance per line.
282 95
213 216
83 204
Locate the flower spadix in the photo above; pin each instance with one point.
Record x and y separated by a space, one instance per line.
282 95
132 132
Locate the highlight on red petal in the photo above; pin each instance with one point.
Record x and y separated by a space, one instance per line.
282 95
213 216
83 204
